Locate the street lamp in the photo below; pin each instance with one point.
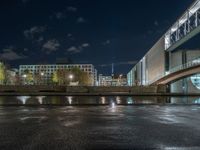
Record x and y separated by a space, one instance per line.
24 76
71 77
42 75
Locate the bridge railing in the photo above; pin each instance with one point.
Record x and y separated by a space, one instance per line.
187 65
189 21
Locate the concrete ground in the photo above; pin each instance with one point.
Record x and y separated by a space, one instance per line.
100 127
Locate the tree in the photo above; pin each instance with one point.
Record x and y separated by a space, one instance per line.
28 77
2 73
55 77
38 79
18 80
82 77
62 77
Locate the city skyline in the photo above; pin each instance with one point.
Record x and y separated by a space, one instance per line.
99 32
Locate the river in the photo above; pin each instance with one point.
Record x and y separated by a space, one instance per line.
43 123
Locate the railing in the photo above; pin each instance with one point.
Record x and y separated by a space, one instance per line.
189 21
189 64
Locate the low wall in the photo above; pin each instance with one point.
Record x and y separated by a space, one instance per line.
29 88
84 89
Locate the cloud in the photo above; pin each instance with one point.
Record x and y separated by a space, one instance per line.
62 14
156 23
81 20
106 42
71 9
10 55
78 49
69 35
59 15
26 49
34 31
51 46
40 39
84 45
120 63
74 49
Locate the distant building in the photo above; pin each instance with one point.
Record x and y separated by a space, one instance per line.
11 76
115 80
105 80
47 71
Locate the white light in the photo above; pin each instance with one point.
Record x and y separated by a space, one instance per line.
40 99
23 99
167 73
118 100
103 100
42 73
129 101
196 81
70 99
71 76
24 76
113 105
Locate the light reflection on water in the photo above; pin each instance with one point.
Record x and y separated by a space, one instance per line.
40 99
23 99
111 101
103 100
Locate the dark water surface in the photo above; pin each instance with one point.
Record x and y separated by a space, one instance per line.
94 100
99 123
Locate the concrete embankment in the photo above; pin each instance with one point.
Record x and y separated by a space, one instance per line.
83 90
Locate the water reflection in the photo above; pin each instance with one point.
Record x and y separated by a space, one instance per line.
118 100
129 100
23 99
197 101
113 105
103 100
95 100
69 99
40 99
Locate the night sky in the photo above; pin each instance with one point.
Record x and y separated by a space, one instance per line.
100 32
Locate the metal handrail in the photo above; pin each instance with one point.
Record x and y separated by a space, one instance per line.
187 65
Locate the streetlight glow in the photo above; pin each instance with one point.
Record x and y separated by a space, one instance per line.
24 75
71 76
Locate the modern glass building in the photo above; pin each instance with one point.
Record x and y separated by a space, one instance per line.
172 53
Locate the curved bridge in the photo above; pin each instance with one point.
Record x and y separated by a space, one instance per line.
179 72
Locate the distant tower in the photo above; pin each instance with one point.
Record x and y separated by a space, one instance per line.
113 70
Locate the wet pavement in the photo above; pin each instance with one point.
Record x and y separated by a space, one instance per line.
100 127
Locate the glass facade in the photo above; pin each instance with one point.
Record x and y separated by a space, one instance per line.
196 80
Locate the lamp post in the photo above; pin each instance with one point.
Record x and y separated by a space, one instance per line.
24 77
71 78
42 75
